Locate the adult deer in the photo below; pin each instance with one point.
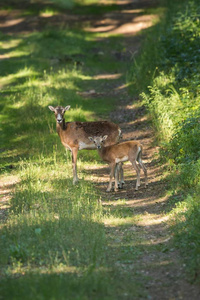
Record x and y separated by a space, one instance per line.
74 135
119 153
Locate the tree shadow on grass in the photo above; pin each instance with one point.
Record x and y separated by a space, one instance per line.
64 283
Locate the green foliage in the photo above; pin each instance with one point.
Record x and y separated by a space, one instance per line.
171 71
187 232
185 144
164 103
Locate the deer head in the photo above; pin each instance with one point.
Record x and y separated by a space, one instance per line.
59 112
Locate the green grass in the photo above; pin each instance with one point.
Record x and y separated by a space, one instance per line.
54 232
169 67
53 241
32 79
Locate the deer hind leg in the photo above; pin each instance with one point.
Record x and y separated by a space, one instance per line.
142 166
120 175
144 170
137 169
117 175
74 165
112 173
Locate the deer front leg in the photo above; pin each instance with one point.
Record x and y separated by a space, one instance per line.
121 175
116 175
74 165
112 172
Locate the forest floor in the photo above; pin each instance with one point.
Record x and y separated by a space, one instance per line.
158 261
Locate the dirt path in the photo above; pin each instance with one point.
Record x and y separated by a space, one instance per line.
158 265
143 232
145 223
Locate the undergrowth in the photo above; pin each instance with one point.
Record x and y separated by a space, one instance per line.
168 71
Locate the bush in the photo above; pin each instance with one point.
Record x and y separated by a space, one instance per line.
185 144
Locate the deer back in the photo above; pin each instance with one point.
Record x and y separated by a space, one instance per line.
75 134
120 152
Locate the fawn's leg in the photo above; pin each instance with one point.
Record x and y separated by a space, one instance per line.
116 175
144 170
137 169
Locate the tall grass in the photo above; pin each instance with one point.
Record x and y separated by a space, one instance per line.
52 228
170 70
53 240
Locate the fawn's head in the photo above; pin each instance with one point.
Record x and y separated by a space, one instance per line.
98 140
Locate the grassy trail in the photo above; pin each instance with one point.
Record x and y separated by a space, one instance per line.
140 261
139 239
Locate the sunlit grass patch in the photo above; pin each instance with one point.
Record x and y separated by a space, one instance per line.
48 12
49 217
10 43
118 221
120 214
21 74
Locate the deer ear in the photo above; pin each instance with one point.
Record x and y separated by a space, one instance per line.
90 138
105 137
67 108
51 108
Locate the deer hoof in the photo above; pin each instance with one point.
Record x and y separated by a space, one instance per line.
75 181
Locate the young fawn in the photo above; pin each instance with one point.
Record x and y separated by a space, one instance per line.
119 153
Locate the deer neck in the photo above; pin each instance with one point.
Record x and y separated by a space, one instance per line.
101 152
60 127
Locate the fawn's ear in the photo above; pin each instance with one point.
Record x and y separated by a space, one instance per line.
52 108
91 138
67 108
104 137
